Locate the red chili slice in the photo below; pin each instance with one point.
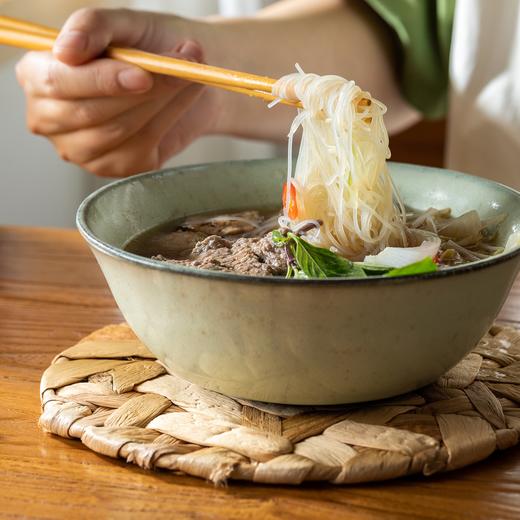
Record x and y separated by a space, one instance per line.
293 206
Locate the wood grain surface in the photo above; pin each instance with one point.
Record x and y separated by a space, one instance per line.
51 294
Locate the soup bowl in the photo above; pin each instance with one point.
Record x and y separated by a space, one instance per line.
296 341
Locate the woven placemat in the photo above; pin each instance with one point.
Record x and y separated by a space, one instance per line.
109 391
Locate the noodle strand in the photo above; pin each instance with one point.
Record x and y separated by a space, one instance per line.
341 176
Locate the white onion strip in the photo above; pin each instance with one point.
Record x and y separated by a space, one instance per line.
401 256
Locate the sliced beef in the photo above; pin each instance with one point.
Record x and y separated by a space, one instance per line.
211 243
253 256
271 255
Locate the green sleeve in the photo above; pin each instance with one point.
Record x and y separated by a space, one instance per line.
423 33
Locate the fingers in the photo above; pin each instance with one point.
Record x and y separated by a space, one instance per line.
85 145
50 116
150 120
128 158
173 111
88 32
47 116
91 113
41 75
189 50
190 123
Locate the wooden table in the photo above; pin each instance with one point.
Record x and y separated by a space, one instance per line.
51 294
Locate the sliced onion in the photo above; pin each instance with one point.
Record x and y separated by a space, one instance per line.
417 236
468 224
401 256
419 219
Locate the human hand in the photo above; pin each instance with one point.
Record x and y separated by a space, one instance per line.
109 117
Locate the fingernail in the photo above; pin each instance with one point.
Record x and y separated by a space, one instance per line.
72 40
134 79
189 49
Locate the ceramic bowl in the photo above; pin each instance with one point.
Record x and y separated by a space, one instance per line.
296 341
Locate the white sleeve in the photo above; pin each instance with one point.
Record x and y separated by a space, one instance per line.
484 113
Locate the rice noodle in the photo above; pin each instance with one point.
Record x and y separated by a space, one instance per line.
265 227
306 225
341 177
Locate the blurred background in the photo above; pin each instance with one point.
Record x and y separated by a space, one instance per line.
37 188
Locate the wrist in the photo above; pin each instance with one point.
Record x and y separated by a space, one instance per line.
217 38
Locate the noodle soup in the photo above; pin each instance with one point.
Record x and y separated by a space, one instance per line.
243 242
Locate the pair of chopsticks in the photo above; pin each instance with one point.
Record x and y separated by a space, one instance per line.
27 35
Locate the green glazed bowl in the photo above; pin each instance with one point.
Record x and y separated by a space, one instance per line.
296 341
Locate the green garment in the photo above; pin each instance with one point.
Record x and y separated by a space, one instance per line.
423 32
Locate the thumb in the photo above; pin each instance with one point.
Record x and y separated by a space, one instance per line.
88 32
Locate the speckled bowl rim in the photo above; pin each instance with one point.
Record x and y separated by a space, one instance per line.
116 252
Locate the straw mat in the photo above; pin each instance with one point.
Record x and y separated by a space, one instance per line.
110 392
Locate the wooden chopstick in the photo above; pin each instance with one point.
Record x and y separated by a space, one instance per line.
8 25
27 35
22 25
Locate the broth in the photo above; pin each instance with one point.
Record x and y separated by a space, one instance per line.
243 242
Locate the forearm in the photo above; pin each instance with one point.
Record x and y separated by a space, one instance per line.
340 37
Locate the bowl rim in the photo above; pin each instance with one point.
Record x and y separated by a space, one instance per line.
104 247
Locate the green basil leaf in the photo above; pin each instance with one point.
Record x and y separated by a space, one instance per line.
357 272
278 238
318 262
373 270
427 265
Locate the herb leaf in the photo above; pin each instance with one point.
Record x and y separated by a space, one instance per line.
426 265
278 237
294 272
357 272
372 269
318 262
